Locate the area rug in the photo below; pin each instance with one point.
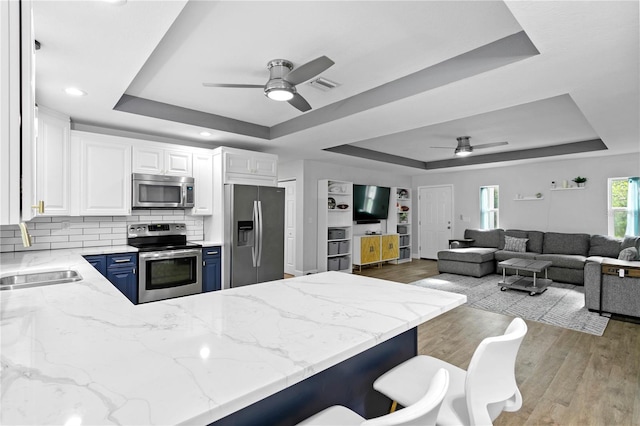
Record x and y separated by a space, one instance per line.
561 305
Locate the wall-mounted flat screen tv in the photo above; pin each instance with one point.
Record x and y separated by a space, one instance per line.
370 203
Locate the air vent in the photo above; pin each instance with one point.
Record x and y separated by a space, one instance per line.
323 84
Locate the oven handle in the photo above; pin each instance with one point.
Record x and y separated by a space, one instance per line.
169 254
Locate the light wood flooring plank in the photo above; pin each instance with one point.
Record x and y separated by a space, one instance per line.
566 377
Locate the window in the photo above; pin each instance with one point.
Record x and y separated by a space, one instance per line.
623 204
489 211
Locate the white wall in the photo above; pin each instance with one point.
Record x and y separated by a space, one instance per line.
563 211
307 174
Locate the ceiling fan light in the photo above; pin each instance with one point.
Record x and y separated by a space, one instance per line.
279 94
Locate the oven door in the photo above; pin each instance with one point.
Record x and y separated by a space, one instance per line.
169 273
154 194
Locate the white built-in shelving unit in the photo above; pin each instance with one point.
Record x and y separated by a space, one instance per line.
335 225
399 220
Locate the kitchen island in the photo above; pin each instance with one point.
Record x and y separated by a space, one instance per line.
81 353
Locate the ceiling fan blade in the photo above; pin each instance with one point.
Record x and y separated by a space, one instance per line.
443 147
489 145
235 86
300 103
309 70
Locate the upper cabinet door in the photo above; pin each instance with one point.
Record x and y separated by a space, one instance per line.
265 165
148 160
237 163
157 160
250 168
52 163
177 162
104 181
203 177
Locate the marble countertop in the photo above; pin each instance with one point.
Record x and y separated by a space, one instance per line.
81 353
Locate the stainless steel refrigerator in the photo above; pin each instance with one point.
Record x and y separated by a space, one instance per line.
254 234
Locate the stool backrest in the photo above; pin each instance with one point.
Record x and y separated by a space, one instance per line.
490 386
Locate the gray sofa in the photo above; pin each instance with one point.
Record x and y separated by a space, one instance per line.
569 253
620 295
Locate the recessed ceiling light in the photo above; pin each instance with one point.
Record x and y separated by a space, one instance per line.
205 134
118 2
74 91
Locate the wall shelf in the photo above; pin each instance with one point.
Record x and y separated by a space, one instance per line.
568 189
529 199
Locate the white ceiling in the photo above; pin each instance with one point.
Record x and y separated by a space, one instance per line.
584 83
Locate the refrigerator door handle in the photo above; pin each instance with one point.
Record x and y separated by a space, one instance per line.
254 248
259 232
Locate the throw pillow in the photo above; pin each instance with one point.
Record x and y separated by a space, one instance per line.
515 244
630 253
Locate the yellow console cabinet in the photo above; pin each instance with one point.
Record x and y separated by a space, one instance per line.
370 249
390 245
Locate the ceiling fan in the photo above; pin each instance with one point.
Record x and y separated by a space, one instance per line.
464 147
283 80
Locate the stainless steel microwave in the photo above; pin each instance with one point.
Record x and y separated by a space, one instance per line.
161 191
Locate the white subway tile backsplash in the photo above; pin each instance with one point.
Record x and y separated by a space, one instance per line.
98 219
84 237
96 243
38 246
86 225
67 231
97 231
76 244
40 219
12 240
51 239
71 232
48 225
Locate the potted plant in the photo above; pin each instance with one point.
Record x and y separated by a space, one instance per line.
580 180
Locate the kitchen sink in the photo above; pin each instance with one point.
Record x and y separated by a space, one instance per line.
38 279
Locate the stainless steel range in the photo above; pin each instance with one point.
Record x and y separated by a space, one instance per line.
169 266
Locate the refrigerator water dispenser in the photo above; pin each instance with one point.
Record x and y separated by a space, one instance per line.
245 233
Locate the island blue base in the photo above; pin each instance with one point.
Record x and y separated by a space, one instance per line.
349 383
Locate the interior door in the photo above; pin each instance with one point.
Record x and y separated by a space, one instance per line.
289 226
435 211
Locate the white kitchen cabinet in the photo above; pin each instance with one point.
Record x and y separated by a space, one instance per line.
53 169
9 113
249 168
203 180
101 176
158 160
236 166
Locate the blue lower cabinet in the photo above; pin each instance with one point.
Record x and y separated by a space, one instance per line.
211 268
125 280
99 262
121 270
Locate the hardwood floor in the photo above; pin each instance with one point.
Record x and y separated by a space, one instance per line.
566 377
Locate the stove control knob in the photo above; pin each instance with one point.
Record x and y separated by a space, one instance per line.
138 229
